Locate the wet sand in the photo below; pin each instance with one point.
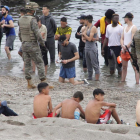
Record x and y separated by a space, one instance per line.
20 99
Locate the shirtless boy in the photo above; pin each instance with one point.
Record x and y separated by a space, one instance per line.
138 114
70 108
92 112
42 102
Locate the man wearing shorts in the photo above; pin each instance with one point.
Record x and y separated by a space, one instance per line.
68 54
8 28
113 37
126 40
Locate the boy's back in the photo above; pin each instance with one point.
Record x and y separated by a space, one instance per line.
41 102
68 108
92 112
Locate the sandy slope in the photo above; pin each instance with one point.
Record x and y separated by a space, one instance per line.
24 127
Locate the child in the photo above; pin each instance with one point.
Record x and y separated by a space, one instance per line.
138 114
42 102
92 112
70 107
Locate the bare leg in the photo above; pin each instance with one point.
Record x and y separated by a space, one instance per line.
138 112
46 69
112 72
20 53
71 80
33 64
85 69
124 70
97 77
61 80
115 115
8 52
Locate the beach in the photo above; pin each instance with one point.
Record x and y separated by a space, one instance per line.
20 99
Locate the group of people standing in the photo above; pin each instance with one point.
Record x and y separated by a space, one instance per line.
38 36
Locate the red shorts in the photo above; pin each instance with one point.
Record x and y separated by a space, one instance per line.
49 115
104 117
125 56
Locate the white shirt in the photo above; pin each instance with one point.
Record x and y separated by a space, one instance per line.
43 29
114 35
128 36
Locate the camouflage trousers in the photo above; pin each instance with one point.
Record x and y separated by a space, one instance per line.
136 51
35 55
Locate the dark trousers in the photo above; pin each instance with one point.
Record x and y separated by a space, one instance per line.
84 59
81 51
50 44
105 54
7 111
1 35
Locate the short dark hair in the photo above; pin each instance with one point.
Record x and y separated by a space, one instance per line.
42 86
109 13
23 10
37 18
98 91
114 15
64 19
47 6
89 18
79 95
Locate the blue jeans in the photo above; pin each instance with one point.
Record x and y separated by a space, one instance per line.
7 111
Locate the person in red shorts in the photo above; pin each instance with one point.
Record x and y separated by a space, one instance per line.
126 40
102 23
94 107
42 104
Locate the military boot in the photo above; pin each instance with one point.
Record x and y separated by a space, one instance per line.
45 81
30 84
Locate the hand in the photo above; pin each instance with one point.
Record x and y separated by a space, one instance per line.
102 52
3 21
78 33
3 25
124 48
84 33
64 61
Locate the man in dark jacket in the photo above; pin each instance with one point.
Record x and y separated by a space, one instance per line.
51 26
81 47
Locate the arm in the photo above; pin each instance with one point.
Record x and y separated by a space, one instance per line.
122 42
72 59
89 38
57 35
134 29
0 103
57 107
104 44
50 105
77 34
108 104
81 110
10 25
68 33
35 29
59 55
53 25
97 24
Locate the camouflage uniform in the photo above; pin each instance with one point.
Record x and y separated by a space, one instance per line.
30 36
135 50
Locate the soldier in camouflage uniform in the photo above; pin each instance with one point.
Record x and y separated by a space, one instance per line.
30 36
136 48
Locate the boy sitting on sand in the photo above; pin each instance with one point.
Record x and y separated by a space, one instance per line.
42 102
138 114
92 112
70 108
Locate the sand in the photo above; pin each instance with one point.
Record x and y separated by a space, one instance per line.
23 127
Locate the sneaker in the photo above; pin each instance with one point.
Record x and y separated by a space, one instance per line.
89 79
85 81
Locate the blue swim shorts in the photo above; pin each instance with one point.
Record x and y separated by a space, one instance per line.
67 72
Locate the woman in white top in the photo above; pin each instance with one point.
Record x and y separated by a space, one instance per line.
126 40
